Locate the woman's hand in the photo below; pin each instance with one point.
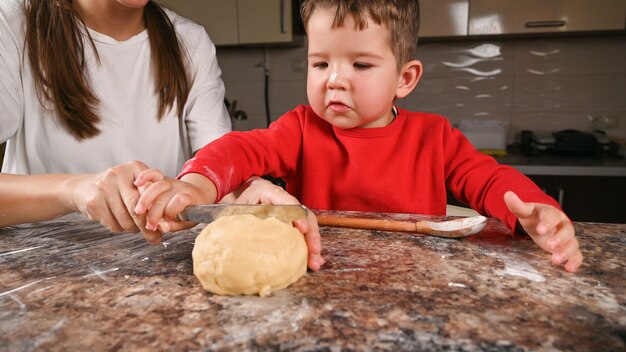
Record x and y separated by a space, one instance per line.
259 191
110 197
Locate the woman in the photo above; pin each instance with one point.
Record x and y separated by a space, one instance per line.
85 87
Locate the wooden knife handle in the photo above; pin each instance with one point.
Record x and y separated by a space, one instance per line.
368 224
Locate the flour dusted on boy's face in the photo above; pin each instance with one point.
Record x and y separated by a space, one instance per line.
333 78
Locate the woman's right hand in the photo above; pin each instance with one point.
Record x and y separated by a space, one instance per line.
110 197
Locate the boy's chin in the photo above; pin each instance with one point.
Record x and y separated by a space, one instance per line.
342 122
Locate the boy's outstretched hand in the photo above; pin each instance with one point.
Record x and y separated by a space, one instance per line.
550 228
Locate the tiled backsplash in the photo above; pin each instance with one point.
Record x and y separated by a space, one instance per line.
531 83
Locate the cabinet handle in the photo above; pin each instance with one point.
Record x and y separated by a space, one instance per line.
560 196
542 24
282 17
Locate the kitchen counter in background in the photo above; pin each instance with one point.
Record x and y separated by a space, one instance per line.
69 284
565 165
588 188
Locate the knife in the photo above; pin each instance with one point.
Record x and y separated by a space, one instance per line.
210 212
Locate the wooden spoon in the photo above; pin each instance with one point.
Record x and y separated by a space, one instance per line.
461 227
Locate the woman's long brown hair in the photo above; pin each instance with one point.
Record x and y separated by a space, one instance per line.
57 59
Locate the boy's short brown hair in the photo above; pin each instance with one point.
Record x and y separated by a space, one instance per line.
401 17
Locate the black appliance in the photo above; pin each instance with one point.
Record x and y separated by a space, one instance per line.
565 142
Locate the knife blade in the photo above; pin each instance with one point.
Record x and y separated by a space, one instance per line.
210 212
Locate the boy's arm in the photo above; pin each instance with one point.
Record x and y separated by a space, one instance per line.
484 184
479 181
234 158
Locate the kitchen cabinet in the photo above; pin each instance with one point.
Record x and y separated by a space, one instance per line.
443 18
234 22
583 198
545 16
587 198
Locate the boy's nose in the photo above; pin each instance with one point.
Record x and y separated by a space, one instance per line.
335 80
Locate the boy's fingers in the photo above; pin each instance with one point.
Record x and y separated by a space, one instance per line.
550 219
548 227
152 237
277 195
150 175
174 226
150 196
156 213
176 205
313 242
574 262
559 238
566 251
302 225
315 261
517 206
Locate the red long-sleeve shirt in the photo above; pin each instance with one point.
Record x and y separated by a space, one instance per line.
402 168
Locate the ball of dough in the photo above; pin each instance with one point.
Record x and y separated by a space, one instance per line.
244 254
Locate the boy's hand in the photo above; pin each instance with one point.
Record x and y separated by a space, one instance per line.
550 228
163 198
260 191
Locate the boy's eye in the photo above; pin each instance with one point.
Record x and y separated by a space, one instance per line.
319 65
361 65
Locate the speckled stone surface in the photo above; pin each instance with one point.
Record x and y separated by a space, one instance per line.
68 284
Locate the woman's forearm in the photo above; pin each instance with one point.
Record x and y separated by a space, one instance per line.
34 198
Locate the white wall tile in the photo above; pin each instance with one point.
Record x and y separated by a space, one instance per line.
469 96
285 96
571 56
466 59
531 83
579 93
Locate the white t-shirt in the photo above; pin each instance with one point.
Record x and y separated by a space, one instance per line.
37 143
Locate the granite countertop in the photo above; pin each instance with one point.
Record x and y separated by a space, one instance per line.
69 284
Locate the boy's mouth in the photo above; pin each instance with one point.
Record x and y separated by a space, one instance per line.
337 106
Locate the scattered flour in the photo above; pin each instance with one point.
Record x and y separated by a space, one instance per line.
454 284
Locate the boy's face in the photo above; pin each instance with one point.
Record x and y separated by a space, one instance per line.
352 75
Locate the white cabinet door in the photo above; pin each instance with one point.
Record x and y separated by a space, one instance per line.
232 22
443 18
544 16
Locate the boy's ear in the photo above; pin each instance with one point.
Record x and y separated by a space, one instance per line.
409 76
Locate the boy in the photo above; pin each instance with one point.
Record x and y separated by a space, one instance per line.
352 149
